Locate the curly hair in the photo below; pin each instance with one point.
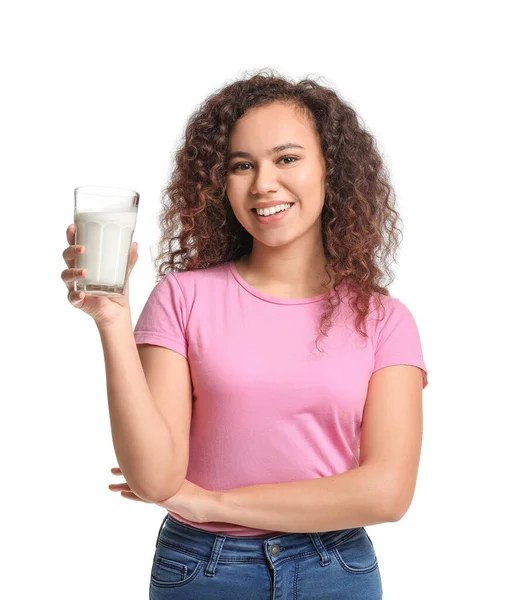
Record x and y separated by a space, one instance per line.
359 222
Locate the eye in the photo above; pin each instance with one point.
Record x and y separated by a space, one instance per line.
294 158
236 167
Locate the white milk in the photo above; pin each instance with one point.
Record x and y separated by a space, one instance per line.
107 237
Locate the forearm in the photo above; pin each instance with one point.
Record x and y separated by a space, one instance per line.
141 437
356 498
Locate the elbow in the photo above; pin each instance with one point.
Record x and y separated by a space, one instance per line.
159 490
160 494
390 494
159 497
390 498
394 515
397 507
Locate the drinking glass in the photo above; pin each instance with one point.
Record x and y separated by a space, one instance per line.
105 218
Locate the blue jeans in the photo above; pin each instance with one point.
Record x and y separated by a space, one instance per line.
200 565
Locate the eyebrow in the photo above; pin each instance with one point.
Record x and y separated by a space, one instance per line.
275 150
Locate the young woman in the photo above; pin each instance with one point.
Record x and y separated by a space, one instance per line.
270 395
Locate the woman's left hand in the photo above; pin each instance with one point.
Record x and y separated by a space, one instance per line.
191 502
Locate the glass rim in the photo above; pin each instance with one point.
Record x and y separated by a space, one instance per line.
112 192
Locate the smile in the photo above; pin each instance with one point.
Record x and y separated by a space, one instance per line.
282 210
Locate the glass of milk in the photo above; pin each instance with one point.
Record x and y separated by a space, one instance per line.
105 218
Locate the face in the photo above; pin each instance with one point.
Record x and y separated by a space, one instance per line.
264 172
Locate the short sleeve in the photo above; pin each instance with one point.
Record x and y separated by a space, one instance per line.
397 339
163 319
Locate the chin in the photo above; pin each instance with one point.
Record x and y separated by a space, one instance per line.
275 243
282 236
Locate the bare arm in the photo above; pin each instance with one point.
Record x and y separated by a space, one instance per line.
380 490
352 499
149 401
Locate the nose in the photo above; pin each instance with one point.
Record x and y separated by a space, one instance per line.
264 181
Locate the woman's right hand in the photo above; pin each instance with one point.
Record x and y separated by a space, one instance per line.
103 309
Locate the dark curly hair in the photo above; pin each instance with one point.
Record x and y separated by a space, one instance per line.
359 222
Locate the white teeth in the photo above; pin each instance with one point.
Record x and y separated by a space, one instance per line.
265 212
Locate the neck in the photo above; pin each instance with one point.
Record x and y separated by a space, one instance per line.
294 272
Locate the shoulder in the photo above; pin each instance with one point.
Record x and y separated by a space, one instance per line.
185 286
181 292
198 277
382 307
396 336
389 316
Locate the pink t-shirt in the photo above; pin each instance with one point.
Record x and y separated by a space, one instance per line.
268 407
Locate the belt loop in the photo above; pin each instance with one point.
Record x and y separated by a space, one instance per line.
215 555
161 527
318 544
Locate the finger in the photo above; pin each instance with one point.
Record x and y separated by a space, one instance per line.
133 259
70 234
116 471
71 253
71 275
132 496
76 298
133 256
118 487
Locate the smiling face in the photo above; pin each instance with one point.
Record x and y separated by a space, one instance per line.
275 158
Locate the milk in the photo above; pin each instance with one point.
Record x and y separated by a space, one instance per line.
107 237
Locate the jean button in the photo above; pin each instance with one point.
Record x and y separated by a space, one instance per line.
275 549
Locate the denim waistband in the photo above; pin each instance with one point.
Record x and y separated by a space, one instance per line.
218 547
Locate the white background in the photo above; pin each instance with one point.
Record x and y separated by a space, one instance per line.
99 93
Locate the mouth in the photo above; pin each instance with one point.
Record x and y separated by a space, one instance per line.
278 216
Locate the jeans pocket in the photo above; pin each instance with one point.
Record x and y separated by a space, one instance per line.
174 567
356 554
